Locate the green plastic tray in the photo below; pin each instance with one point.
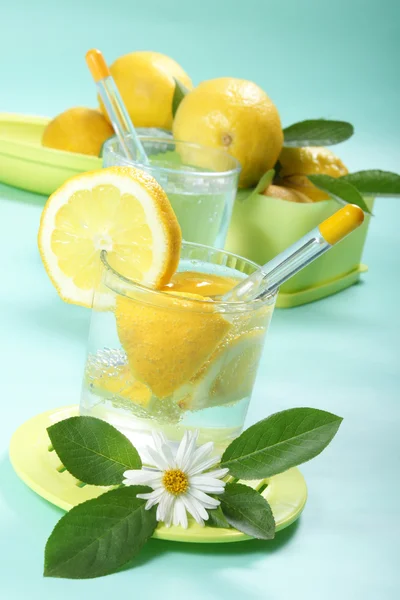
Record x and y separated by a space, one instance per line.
262 227
42 471
26 164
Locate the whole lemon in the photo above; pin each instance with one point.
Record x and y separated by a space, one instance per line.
297 163
82 130
236 115
146 83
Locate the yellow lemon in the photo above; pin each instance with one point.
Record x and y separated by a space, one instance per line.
119 381
279 191
82 130
235 115
168 343
297 163
228 376
146 83
121 210
201 284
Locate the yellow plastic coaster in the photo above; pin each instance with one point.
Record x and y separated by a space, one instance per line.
41 470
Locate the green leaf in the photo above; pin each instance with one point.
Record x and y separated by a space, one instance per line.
99 536
279 442
93 451
340 190
180 92
248 511
277 169
243 194
375 182
261 186
317 132
264 182
216 518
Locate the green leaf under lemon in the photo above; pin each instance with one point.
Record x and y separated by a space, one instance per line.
375 182
93 451
99 536
317 132
243 195
279 442
339 189
248 511
264 182
180 92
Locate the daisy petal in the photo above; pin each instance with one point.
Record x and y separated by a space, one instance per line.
180 453
199 507
146 458
165 509
200 454
163 448
218 473
131 472
168 454
159 440
205 500
158 459
186 449
195 509
152 498
206 478
180 517
161 508
187 459
207 484
204 465
208 489
141 477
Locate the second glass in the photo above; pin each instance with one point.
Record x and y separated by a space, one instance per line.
200 182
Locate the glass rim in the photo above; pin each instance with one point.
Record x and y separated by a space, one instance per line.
166 140
223 305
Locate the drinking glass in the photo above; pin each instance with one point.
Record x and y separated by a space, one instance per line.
200 182
165 361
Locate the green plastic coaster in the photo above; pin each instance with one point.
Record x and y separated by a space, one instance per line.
41 470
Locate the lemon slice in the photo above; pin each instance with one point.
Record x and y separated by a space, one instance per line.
119 381
227 377
121 210
167 344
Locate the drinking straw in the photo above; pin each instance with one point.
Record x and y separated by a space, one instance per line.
115 107
273 274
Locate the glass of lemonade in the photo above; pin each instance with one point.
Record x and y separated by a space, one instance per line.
200 182
178 358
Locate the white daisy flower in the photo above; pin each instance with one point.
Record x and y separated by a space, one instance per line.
180 480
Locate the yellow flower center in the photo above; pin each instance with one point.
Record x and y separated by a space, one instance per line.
175 481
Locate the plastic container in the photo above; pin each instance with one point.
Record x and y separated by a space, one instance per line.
26 164
262 227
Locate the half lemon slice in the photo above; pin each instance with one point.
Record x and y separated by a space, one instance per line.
167 344
121 210
227 377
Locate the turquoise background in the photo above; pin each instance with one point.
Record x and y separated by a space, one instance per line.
315 59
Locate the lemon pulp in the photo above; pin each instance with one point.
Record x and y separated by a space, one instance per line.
186 352
121 210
